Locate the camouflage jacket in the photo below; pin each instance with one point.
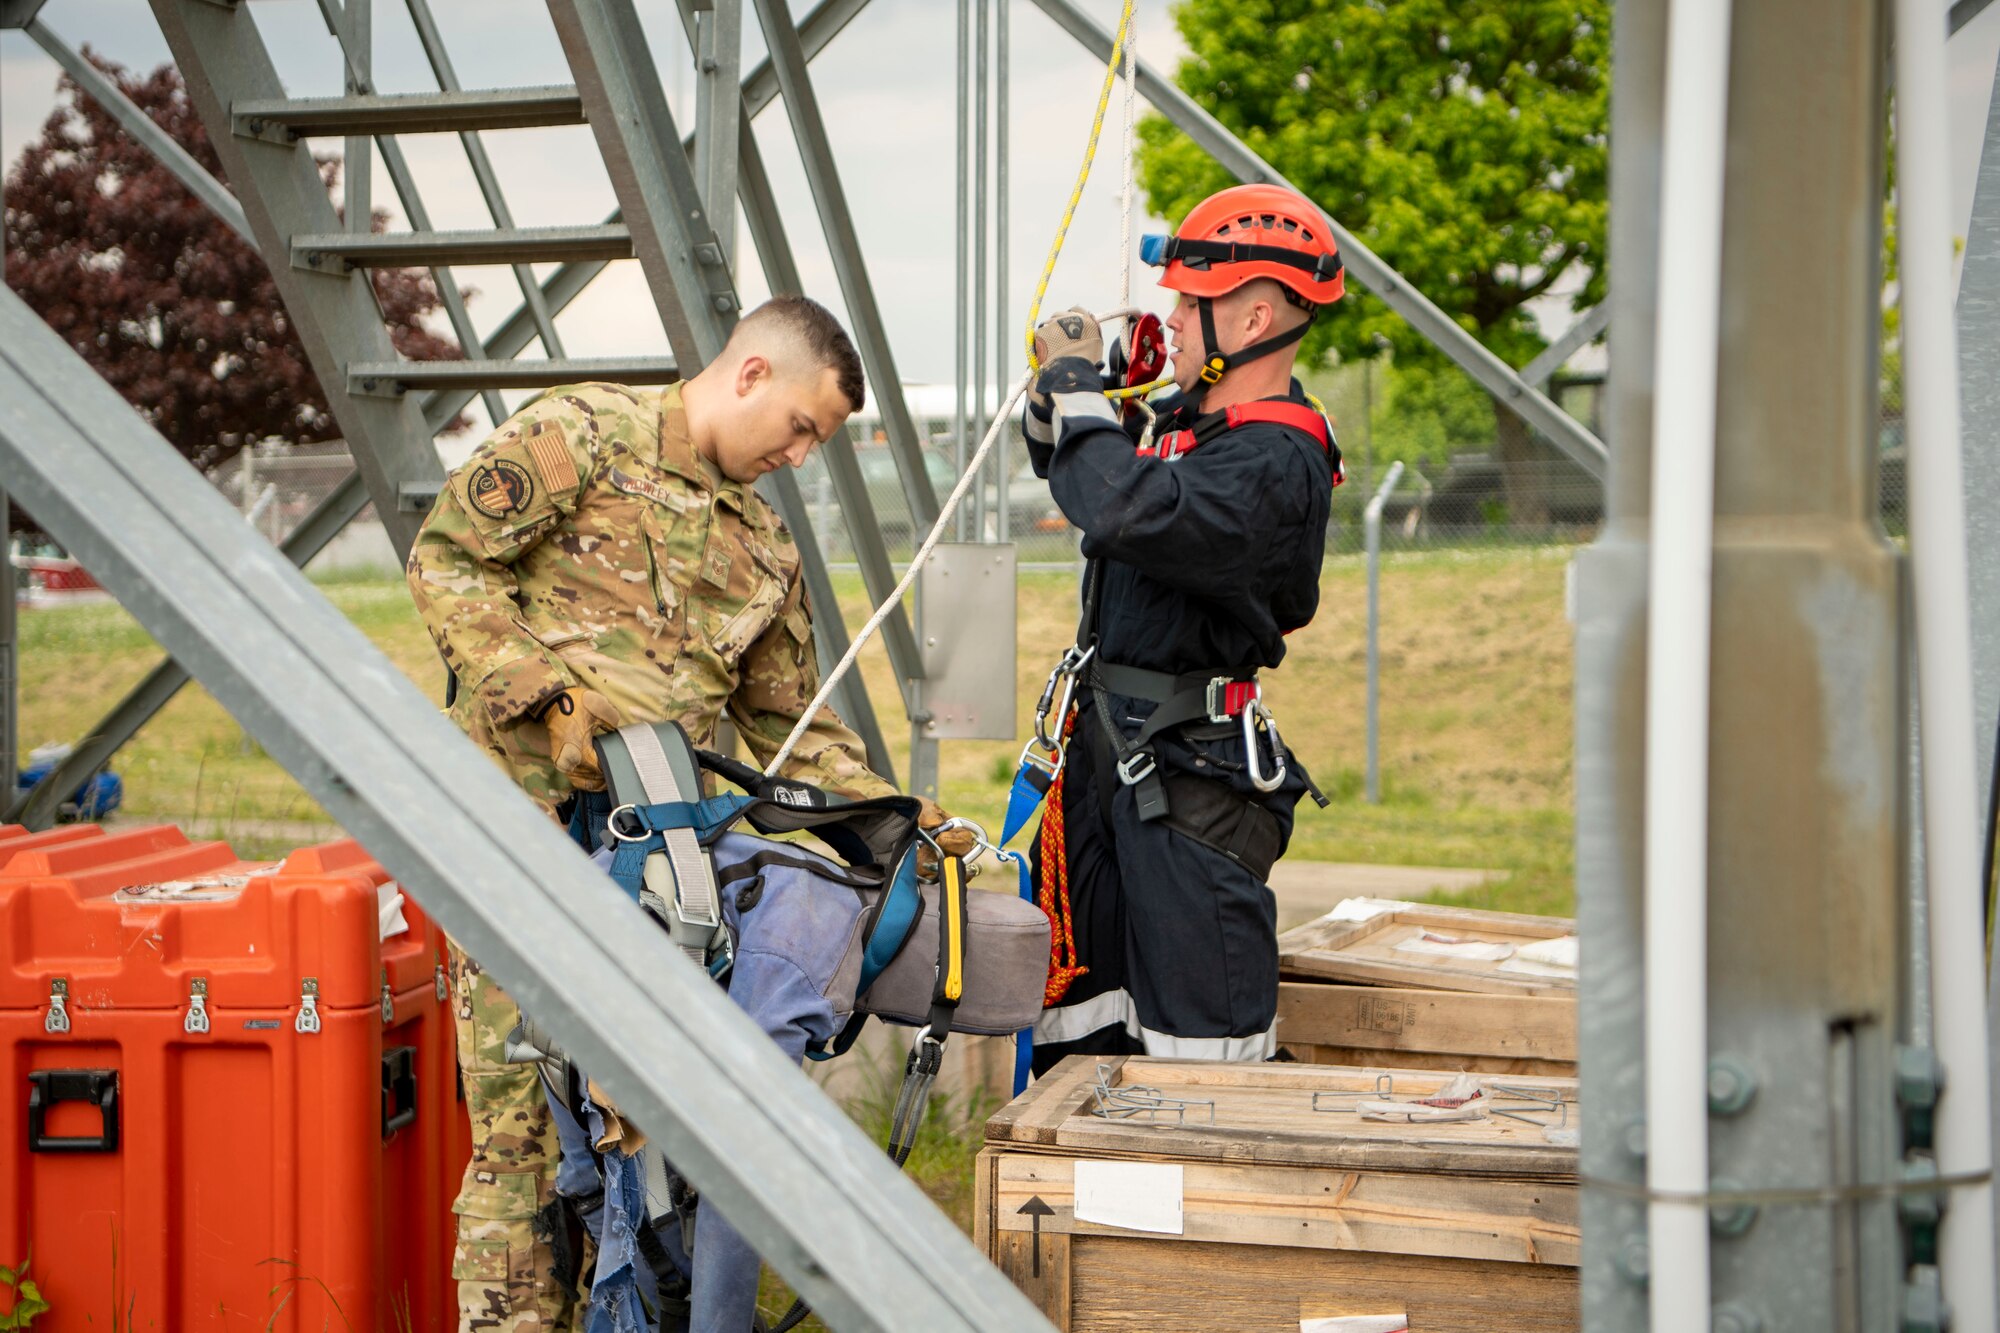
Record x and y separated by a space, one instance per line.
585 542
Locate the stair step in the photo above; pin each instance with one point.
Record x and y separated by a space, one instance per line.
342 250
407 113
393 377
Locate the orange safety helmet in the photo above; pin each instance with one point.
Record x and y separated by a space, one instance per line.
1241 234
1248 232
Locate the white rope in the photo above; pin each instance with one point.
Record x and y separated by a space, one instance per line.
895 598
1123 60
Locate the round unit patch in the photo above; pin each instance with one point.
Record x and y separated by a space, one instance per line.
500 488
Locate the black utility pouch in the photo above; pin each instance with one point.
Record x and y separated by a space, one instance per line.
1215 815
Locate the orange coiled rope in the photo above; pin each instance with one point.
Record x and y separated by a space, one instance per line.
1052 894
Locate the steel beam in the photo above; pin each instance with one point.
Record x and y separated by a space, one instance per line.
145 130
1509 390
340 251
1580 334
392 377
717 42
788 62
224 61
406 113
823 1204
1806 814
349 25
685 268
843 469
353 26
781 275
1979 377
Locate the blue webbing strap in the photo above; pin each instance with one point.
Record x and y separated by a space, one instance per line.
628 863
1024 1040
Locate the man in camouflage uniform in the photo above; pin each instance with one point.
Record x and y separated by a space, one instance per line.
603 558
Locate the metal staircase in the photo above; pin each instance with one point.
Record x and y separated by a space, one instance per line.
390 408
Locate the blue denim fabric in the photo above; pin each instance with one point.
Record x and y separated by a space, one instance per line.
789 946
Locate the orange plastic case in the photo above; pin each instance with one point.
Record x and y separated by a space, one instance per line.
228 1102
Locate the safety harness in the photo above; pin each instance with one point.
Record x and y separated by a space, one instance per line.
1309 418
668 851
1215 696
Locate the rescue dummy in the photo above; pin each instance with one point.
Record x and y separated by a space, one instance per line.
1169 792
604 557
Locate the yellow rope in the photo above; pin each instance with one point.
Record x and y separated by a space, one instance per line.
1082 176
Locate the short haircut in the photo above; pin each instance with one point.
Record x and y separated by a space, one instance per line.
817 334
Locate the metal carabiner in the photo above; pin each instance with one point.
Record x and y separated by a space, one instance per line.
1050 765
981 844
1253 714
1067 672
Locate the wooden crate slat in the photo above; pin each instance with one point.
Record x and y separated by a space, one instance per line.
1124 1285
1402 1021
1380 1212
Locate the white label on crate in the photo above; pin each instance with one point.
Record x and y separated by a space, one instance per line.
1357 1323
1137 1196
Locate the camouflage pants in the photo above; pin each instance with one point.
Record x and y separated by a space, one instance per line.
505 1263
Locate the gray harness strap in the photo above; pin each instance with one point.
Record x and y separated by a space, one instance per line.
682 879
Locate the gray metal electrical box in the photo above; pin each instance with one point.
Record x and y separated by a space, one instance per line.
966 593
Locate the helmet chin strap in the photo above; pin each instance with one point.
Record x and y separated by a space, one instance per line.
1217 364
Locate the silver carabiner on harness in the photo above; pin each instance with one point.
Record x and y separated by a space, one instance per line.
1254 714
1066 674
981 844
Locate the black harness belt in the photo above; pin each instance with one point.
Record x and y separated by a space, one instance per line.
1211 696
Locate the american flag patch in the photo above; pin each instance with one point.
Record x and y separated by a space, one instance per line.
551 456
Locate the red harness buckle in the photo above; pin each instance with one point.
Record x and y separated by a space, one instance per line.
1228 698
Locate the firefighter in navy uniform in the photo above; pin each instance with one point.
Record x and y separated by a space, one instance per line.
1204 547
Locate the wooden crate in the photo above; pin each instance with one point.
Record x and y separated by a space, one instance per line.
1350 997
1326 1023
1365 951
1285 1212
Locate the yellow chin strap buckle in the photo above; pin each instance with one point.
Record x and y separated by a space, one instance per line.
1212 372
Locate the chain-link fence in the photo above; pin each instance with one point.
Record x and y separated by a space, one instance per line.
276 487
1470 498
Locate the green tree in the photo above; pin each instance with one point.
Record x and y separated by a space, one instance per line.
1464 141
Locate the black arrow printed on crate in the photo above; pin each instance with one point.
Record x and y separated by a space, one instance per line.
1037 1210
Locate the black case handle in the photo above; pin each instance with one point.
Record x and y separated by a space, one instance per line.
399 1088
46 1087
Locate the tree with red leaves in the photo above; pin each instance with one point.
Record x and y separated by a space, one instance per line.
170 306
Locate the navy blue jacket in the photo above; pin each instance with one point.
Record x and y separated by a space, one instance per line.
1209 559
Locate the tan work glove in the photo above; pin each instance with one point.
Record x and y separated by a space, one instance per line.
956 842
1072 332
573 718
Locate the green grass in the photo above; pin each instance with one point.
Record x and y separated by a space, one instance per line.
1475 716
1476 743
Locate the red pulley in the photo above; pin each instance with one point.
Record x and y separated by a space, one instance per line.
1145 355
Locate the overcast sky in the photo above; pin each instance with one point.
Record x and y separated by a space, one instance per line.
888 87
